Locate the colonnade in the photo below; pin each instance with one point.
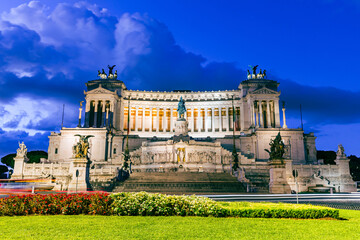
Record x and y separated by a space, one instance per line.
200 119
265 113
99 113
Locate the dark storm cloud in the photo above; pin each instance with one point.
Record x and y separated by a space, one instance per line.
53 121
321 105
40 86
51 54
37 142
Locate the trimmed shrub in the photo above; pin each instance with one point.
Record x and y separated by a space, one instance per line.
146 204
278 210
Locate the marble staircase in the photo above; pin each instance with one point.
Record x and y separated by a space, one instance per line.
181 183
258 179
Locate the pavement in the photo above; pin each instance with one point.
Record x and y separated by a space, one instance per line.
349 201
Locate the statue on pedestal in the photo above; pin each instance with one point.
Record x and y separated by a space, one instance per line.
340 152
181 108
21 151
277 148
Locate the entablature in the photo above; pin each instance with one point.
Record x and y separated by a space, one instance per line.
174 105
187 96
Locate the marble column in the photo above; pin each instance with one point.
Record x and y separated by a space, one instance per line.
277 114
103 108
129 117
151 120
87 114
220 120
242 117
268 122
206 119
212 120
192 119
257 124
272 120
252 111
227 124
95 113
136 118
122 114
143 119
157 119
261 114
107 116
284 118
171 120
199 120
164 120
113 111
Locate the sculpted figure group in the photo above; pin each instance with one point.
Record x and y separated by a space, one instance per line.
22 150
254 75
202 157
277 148
111 75
81 148
340 152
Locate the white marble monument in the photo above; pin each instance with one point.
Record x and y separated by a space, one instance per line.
164 136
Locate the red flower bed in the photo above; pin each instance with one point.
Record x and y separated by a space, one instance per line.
51 204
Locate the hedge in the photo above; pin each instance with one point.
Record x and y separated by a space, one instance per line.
278 210
147 204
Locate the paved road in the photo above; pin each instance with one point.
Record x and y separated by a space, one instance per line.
341 201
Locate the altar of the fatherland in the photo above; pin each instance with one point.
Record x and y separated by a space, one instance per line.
186 142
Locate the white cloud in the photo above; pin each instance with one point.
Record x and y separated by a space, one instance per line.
23 112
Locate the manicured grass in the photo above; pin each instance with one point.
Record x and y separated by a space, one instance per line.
116 227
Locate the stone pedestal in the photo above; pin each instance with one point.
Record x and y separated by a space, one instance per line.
181 127
19 167
181 131
79 183
278 183
346 182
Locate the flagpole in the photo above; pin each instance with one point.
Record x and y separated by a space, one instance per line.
302 125
62 120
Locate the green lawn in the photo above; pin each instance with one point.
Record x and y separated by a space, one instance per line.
113 227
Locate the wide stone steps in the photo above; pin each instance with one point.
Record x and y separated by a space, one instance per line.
259 179
181 183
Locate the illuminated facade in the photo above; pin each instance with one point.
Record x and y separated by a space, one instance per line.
214 122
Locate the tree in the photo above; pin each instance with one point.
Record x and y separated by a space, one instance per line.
328 156
354 167
354 164
33 156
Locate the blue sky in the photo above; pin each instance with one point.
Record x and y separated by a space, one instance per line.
49 49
